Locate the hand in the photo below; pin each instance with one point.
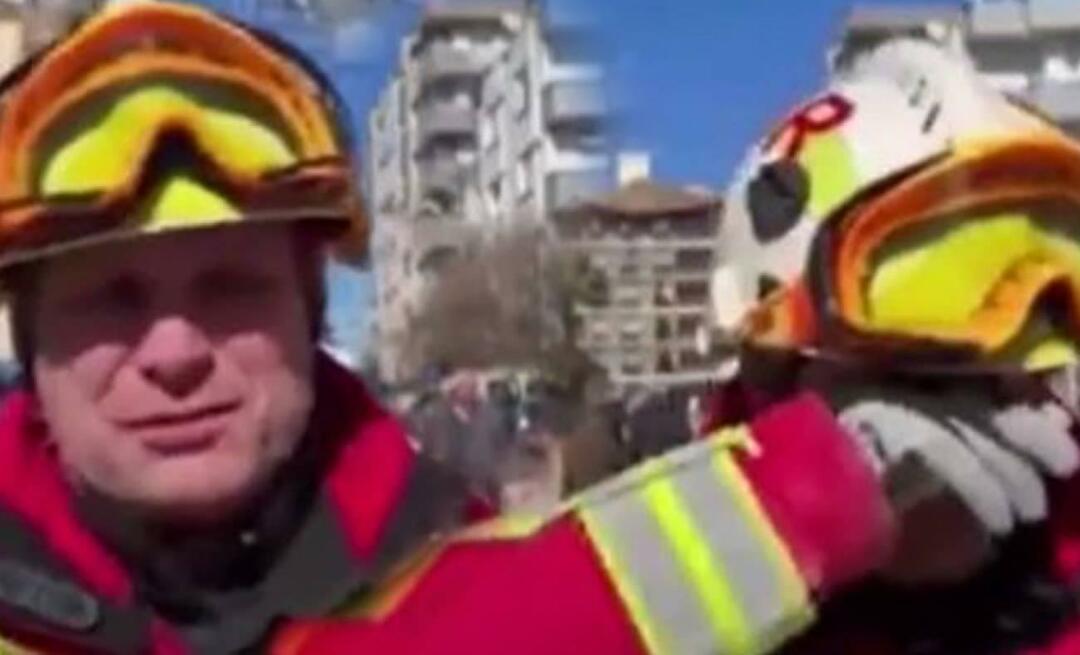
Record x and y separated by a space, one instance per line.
959 469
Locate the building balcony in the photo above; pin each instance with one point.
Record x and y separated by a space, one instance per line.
665 248
567 159
1060 100
571 189
998 20
445 119
574 71
894 19
1054 15
441 175
624 313
440 61
573 102
651 345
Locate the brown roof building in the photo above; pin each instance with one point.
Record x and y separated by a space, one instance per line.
651 248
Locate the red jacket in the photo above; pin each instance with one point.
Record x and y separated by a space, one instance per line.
728 543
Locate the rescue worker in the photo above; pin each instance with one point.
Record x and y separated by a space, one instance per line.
185 472
905 245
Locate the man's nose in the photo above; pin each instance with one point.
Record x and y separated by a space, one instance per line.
175 355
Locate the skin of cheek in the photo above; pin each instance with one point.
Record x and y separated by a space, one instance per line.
273 369
69 393
283 403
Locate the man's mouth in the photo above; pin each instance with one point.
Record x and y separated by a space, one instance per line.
185 431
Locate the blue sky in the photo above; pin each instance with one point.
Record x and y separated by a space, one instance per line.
695 82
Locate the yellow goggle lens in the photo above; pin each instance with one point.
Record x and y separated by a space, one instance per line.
941 275
929 279
938 280
183 201
109 142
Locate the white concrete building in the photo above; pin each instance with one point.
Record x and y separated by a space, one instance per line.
493 118
1030 48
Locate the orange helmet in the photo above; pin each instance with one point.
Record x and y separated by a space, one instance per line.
157 116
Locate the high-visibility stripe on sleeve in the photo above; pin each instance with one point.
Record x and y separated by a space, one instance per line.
795 610
669 504
692 555
11 648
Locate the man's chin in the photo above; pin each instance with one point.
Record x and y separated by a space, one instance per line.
192 493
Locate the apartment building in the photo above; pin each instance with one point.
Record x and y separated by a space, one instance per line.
1030 48
493 118
653 247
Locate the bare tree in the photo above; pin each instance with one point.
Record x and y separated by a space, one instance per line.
508 304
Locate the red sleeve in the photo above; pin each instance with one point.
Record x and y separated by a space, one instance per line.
548 593
538 596
821 496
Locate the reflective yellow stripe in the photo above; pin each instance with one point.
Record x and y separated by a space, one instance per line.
653 635
792 587
705 574
11 648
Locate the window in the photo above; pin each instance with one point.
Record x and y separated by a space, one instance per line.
694 259
692 292
687 326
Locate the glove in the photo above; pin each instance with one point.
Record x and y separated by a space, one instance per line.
993 458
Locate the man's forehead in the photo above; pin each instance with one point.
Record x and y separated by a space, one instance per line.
174 252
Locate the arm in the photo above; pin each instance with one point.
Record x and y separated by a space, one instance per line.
725 545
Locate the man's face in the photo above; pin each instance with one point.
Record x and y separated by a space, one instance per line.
175 373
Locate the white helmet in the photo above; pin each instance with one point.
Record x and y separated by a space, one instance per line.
910 211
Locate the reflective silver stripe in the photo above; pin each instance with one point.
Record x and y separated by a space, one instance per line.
735 602
644 559
796 610
752 575
11 648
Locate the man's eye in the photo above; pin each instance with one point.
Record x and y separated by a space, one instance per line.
118 295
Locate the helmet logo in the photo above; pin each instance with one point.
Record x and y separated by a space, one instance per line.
821 115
